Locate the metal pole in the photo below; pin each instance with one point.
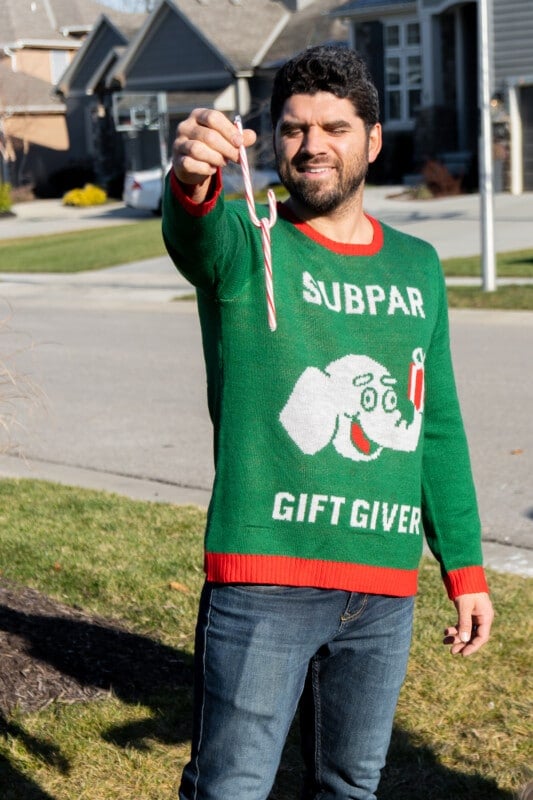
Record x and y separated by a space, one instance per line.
162 129
488 256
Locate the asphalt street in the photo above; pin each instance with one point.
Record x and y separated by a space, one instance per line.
119 383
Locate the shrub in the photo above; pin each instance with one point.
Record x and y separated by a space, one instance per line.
439 180
90 195
5 198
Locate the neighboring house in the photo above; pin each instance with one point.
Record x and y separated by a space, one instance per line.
513 82
38 39
140 74
188 53
424 57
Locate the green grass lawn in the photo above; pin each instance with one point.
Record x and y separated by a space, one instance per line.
463 726
121 244
510 298
517 264
77 251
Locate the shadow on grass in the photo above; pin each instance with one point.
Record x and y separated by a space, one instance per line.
71 658
413 772
15 785
74 658
79 658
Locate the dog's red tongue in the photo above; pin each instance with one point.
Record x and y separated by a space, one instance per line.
359 439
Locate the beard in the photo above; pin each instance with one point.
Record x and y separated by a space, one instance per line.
313 195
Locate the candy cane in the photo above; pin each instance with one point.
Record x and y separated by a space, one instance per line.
416 387
264 224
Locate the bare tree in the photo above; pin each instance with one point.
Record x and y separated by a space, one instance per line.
17 389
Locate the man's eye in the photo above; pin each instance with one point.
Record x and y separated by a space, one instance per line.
289 132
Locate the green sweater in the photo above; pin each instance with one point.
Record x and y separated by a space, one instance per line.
338 437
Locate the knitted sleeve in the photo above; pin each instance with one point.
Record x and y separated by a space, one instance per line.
208 245
451 519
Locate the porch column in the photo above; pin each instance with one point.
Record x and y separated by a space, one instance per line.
243 93
516 142
429 56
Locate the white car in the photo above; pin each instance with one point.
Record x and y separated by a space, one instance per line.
143 188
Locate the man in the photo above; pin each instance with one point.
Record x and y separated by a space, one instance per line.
338 443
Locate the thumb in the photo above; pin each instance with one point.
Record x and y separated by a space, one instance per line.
464 619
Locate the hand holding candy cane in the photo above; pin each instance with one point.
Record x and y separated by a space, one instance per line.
206 141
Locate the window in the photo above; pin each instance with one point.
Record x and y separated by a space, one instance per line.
59 61
403 72
392 36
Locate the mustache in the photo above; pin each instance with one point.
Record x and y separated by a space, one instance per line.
303 161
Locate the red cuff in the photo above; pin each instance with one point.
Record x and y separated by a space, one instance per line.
467 580
179 190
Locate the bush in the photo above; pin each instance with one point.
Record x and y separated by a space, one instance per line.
90 195
5 198
439 180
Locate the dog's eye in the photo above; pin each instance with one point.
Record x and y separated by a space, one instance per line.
369 399
390 400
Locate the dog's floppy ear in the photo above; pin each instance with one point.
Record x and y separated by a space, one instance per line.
310 414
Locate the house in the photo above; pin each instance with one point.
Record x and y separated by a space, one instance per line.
424 57
38 40
188 53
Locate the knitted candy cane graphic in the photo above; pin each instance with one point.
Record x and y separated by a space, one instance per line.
416 390
264 225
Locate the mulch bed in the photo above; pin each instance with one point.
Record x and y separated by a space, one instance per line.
53 652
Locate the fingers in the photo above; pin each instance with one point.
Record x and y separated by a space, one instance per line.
207 140
466 644
475 616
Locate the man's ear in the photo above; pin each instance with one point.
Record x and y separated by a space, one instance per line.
375 141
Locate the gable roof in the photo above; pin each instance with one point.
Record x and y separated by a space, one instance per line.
57 21
238 35
25 93
312 25
253 32
98 52
238 32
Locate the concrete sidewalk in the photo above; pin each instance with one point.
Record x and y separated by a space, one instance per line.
451 224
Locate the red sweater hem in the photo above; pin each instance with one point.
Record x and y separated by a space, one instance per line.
289 571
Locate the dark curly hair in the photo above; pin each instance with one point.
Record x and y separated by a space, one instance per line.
327 68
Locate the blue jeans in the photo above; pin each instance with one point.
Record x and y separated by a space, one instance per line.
259 649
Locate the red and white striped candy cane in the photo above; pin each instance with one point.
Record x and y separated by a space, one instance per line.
264 224
416 386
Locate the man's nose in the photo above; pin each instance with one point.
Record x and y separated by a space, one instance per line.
313 141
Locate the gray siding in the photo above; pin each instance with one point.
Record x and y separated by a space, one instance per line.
513 36
104 41
175 57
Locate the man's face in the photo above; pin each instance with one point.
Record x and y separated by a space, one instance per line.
323 151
